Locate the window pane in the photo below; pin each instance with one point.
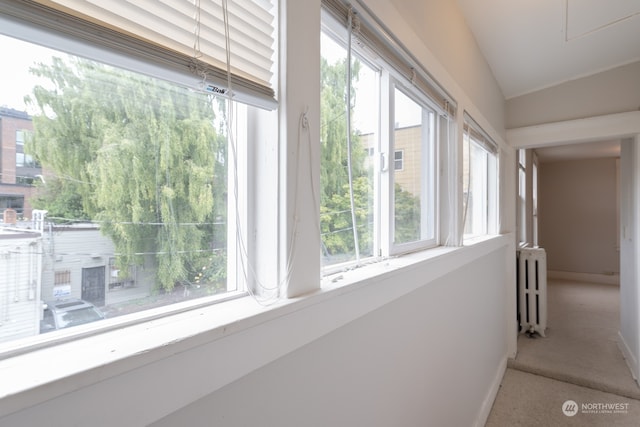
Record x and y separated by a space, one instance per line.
339 231
134 181
479 187
522 205
20 137
412 176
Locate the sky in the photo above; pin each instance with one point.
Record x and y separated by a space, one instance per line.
15 79
408 113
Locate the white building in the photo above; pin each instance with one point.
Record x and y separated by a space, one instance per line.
20 267
79 262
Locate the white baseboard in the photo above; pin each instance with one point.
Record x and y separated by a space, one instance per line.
607 279
629 357
487 405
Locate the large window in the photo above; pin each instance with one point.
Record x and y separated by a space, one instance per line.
479 182
379 139
414 203
144 164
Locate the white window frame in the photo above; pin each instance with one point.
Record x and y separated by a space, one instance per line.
429 206
521 198
332 29
244 180
384 169
485 221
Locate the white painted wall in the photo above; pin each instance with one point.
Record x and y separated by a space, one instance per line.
440 25
610 92
427 340
629 335
405 364
578 216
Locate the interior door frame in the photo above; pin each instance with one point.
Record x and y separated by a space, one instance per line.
626 127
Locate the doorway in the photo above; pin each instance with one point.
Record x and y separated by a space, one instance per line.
624 127
93 285
579 229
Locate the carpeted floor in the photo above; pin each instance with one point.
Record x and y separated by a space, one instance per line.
528 400
578 360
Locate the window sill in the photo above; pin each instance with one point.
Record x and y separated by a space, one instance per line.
239 335
474 239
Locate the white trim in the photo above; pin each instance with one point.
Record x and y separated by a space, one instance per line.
485 409
576 131
428 170
629 359
607 279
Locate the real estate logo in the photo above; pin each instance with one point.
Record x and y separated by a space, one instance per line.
570 408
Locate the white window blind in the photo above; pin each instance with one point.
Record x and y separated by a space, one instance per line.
189 34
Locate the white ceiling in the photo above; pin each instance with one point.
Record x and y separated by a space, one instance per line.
535 44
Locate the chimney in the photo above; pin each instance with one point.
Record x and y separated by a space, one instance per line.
9 216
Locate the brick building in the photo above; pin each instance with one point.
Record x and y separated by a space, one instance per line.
17 169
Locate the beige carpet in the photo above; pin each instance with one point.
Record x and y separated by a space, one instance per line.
578 360
581 340
528 400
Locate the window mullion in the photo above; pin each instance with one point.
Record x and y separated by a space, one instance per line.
386 150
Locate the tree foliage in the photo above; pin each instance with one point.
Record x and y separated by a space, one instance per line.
143 158
61 199
335 212
336 221
407 216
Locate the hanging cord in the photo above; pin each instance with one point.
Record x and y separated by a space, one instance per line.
197 53
305 126
452 175
349 142
447 116
466 196
246 266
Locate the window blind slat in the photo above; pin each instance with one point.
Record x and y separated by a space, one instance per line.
172 24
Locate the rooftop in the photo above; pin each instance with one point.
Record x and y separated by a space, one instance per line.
10 112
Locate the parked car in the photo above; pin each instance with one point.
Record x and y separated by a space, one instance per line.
67 313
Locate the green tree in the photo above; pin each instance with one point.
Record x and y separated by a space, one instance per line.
144 158
407 216
335 212
335 216
61 199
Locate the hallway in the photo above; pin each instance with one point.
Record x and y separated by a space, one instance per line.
579 360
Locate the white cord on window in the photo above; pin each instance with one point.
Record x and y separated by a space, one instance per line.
354 224
244 259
